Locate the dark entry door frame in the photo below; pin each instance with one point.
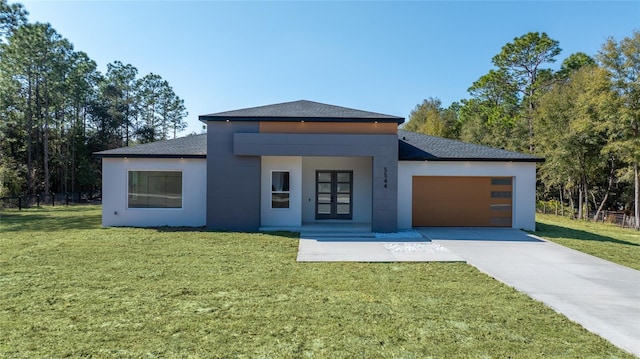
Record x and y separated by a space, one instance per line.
334 194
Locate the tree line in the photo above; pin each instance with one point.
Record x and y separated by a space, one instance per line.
583 118
56 109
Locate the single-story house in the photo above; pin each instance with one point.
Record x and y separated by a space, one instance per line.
303 162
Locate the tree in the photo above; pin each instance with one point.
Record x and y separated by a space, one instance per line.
174 111
622 61
122 96
161 110
451 117
150 92
56 109
430 118
11 180
485 124
425 118
491 116
77 164
520 61
573 63
34 63
11 17
572 137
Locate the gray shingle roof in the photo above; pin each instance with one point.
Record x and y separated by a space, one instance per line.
185 147
418 147
297 110
412 147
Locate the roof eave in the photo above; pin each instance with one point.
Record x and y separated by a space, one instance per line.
138 155
207 118
476 159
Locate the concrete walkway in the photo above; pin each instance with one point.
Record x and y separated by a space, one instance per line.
365 247
602 296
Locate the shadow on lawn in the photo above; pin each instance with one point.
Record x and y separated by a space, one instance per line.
16 222
552 231
285 234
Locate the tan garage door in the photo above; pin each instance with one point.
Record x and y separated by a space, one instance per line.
462 201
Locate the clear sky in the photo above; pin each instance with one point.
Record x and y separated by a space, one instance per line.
377 56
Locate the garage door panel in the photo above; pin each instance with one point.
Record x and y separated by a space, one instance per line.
500 222
462 201
439 214
467 207
440 189
501 201
449 195
443 219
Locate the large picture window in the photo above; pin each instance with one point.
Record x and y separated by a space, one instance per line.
155 189
280 189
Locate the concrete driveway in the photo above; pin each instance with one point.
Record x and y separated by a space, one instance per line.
602 296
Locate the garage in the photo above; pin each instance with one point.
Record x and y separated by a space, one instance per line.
450 201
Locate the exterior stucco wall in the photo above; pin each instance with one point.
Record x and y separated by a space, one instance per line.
233 182
524 185
282 217
362 191
115 193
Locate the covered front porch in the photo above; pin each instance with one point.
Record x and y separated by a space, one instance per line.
287 179
317 193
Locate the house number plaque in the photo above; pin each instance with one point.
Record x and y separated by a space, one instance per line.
385 177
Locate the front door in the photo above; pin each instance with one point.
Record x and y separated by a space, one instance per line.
334 194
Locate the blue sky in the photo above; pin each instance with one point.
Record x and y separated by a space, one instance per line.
377 56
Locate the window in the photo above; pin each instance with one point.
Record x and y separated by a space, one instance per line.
501 207
155 189
501 181
500 194
280 189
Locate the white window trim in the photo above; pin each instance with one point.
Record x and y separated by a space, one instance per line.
271 192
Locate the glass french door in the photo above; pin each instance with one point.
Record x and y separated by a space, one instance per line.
334 194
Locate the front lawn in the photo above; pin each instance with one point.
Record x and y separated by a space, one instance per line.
603 240
71 288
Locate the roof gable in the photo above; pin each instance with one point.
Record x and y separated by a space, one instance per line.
301 110
418 147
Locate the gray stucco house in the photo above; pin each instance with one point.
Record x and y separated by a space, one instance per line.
294 163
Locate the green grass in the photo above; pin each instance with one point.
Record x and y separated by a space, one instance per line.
603 240
71 288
